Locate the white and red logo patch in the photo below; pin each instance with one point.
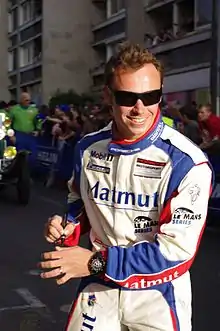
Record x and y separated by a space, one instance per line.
148 168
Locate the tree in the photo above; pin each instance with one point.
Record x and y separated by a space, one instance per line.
65 98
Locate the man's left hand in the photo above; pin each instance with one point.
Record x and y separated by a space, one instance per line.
66 263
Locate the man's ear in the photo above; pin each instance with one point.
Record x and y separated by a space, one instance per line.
107 95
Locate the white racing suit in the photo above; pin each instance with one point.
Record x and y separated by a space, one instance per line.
146 203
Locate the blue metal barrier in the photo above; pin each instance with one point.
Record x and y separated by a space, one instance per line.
46 157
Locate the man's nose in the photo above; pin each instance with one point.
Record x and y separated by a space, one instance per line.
138 107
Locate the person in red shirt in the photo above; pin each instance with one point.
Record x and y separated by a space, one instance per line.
209 125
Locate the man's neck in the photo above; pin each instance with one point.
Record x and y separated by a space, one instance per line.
117 136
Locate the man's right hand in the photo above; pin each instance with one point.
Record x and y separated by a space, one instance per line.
54 230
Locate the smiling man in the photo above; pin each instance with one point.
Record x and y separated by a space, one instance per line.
143 189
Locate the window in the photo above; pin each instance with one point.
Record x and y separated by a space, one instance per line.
112 49
203 10
12 60
25 12
26 54
13 94
13 2
163 28
12 21
117 5
13 80
121 4
35 91
186 17
13 41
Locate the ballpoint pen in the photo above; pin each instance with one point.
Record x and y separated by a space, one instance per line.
63 223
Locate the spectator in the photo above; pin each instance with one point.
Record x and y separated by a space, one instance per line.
210 128
23 116
190 126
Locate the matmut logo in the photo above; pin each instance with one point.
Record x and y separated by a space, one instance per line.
102 156
114 197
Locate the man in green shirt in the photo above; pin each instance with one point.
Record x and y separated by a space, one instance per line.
23 116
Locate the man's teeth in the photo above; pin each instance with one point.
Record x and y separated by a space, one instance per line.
138 120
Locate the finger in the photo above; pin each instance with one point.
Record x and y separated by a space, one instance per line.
49 264
55 232
51 274
51 256
62 280
50 239
69 229
53 227
55 219
60 249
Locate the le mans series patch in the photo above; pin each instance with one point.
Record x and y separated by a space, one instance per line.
148 168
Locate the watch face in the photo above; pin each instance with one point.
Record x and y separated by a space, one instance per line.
96 265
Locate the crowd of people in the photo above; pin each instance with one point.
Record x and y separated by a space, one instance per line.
67 124
63 124
198 123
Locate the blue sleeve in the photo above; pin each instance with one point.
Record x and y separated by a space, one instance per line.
126 265
75 204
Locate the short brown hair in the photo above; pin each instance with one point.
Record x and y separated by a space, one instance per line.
130 57
206 105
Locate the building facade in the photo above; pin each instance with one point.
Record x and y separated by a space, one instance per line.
49 47
179 34
52 45
122 20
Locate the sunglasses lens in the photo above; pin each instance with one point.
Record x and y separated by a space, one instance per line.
129 99
124 98
151 98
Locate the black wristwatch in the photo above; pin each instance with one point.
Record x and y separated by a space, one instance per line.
97 264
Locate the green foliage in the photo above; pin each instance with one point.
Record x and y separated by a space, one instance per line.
65 98
71 97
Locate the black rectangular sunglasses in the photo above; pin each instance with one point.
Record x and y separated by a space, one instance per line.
129 99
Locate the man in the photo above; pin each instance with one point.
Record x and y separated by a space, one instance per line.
23 118
144 188
209 125
190 125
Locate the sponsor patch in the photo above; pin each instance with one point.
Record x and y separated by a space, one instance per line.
144 224
98 168
148 168
102 156
184 216
119 198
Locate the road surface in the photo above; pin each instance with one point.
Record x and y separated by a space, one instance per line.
28 303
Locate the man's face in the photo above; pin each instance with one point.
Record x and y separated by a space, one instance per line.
135 114
25 99
203 114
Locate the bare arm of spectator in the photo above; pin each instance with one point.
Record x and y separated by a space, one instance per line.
52 119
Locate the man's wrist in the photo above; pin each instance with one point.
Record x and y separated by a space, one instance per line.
97 263
72 219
